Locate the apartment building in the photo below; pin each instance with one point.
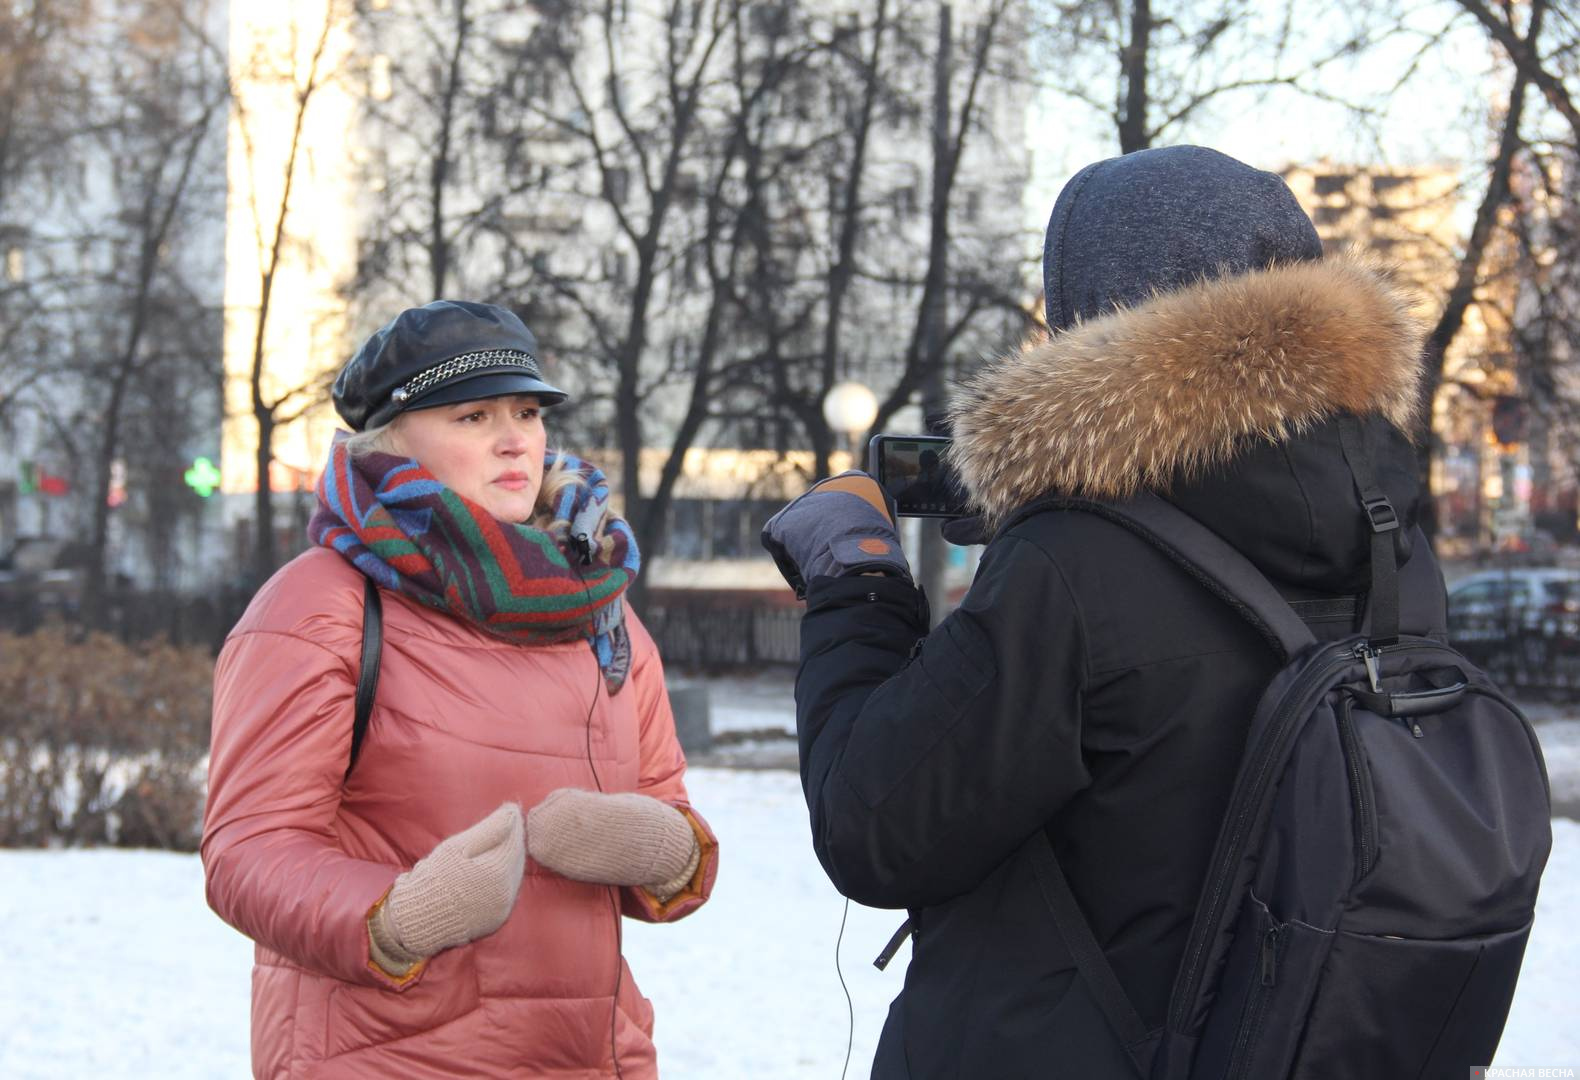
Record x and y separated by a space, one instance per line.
112 230
1412 219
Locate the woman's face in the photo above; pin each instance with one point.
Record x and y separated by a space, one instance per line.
490 451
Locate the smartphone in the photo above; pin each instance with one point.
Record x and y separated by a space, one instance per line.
915 471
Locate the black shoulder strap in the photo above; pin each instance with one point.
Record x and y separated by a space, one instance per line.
1231 576
368 679
1208 558
1382 601
1087 954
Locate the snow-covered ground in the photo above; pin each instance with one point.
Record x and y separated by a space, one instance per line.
114 967
758 704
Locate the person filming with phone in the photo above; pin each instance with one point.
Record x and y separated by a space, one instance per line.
1089 693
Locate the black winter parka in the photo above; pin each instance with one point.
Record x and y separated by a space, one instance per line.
1087 687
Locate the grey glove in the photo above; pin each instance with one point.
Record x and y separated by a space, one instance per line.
842 525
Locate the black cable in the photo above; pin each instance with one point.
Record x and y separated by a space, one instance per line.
850 1006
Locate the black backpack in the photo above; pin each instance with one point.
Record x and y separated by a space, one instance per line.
1369 898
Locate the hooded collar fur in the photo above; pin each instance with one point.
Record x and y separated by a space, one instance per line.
1162 392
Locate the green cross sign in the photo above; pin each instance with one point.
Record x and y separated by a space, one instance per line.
202 477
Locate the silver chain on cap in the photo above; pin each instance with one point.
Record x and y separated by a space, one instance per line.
460 365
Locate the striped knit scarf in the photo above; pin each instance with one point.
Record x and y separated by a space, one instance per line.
394 522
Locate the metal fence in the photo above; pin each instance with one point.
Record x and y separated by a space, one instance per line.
1534 658
179 618
707 635
701 633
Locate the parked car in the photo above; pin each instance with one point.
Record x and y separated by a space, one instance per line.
40 574
1517 617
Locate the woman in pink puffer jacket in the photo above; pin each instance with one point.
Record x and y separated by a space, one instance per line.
410 919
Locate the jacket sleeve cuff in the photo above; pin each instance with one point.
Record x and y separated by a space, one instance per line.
650 906
386 957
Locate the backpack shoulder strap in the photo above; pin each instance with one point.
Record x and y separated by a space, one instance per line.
368 678
1208 558
1094 967
1229 575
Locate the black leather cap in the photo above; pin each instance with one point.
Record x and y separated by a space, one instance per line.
437 354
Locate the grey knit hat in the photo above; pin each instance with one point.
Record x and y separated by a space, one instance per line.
1156 220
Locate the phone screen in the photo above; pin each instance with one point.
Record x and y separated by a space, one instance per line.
916 473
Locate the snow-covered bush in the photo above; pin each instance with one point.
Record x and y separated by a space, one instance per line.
102 742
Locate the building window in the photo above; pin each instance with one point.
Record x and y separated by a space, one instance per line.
15 264
687 529
703 529
769 19
615 266
617 185
903 112
973 204
1331 184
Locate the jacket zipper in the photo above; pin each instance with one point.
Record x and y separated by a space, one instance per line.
1241 811
1365 827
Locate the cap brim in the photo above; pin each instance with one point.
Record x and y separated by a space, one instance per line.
488 385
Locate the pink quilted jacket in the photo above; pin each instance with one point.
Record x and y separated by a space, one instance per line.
296 856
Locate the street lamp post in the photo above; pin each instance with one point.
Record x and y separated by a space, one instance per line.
850 407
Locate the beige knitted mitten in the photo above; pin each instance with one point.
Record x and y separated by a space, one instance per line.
462 890
619 839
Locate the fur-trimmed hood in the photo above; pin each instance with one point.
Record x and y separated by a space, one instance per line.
1159 393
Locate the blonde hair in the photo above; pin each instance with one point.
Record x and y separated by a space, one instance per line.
559 477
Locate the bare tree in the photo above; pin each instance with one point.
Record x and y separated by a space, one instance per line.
883 240
1153 69
1536 43
726 148
632 106
1543 67
451 165
984 286
161 102
41 105
304 77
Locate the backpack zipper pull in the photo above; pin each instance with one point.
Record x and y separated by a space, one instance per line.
1368 655
1270 956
